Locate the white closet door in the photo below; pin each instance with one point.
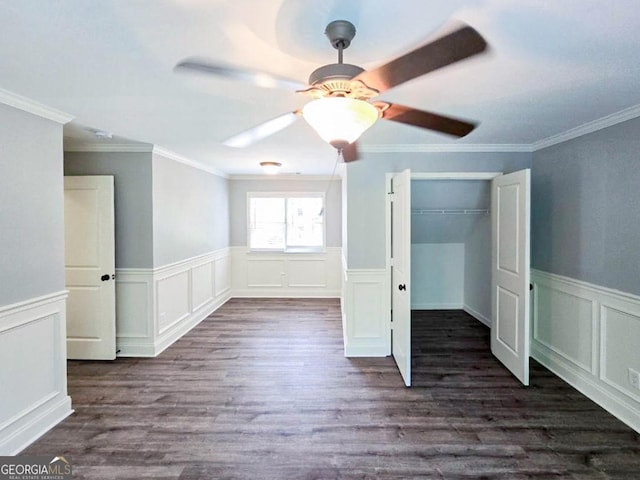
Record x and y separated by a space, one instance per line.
510 217
90 267
401 273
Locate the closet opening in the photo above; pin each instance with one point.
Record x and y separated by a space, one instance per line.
450 276
460 242
451 246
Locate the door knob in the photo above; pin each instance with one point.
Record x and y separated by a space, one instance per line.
402 287
105 277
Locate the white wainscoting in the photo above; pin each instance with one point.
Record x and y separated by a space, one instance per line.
366 322
33 380
155 307
286 275
589 336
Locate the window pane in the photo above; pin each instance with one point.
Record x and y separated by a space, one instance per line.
304 222
266 223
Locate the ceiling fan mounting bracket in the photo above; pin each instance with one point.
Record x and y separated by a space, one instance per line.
340 33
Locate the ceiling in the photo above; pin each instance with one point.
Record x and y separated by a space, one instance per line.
553 65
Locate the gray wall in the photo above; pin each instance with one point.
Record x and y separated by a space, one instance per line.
586 208
190 211
31 206
366 192
477 267
238 204
133 200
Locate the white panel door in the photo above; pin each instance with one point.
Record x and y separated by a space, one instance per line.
510 217
401 273
90 267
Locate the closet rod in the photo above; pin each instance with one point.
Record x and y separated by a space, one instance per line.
440 211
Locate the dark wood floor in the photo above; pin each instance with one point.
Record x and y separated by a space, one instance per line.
261 390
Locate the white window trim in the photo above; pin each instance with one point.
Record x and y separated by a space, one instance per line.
294 250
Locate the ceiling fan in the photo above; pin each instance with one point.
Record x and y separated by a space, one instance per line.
342 107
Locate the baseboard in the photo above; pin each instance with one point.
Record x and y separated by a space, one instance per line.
375 350
477 315
134 349
177 331
589 387
436 306
289 293
50 415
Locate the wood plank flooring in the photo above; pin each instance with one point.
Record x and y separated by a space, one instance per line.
261 390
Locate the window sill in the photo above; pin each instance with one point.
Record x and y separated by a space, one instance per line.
291 251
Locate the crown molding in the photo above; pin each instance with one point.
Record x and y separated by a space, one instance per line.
447 147
589 127
110 147
163 152
31 106
287 177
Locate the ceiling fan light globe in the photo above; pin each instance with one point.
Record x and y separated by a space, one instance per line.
340 119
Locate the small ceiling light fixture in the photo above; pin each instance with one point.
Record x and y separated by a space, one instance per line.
340 120
101 133
270 168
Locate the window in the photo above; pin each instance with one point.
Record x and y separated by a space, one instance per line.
287 222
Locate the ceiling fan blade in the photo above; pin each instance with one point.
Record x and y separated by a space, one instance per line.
350 152
458 45
264 130
422 119
260 79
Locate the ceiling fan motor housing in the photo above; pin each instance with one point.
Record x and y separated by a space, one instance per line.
336 80
335 72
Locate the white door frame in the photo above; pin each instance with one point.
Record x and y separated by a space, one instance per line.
387 222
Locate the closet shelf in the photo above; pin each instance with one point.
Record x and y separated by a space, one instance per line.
461 211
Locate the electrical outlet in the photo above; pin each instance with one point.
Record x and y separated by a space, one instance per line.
634 378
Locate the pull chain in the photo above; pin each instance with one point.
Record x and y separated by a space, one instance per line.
333 174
